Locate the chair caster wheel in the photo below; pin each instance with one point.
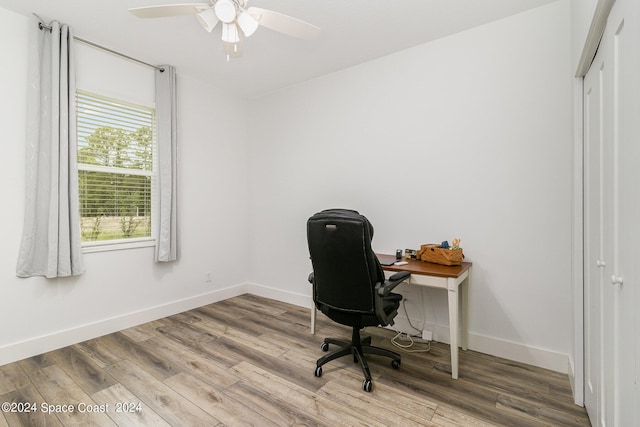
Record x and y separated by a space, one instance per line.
324 346
318 371
395 364
367 386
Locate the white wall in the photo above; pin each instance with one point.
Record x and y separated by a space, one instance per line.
468 136
582 12
121 288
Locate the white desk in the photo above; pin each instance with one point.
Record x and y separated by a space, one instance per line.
443 277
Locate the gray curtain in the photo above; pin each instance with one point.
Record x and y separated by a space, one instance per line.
166 117
50 244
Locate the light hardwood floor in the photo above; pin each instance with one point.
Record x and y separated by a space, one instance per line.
250 360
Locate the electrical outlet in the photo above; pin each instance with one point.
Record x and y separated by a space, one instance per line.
427 335
413 339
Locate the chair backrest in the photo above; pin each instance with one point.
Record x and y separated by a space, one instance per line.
345 267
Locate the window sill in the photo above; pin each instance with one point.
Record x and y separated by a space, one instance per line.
117 245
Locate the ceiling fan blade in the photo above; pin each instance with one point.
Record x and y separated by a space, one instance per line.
284 24
168 10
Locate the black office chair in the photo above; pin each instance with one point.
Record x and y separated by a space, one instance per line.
349 285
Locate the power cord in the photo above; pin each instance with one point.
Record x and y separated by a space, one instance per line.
406 336
406 347
406 313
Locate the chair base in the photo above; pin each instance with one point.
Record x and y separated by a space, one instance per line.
358 347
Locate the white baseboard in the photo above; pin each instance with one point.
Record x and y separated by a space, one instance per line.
280 295
34 346
520 353
496 347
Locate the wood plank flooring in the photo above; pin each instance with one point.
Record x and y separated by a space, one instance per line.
249 361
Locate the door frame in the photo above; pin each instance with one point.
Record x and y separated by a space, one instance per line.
596 30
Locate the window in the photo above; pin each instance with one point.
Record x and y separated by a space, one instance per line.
116 172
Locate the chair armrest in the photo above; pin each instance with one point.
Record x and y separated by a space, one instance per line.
383 289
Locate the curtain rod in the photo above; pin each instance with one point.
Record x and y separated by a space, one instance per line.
81 40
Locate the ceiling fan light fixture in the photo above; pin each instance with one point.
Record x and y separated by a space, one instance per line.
247 24
238 21
208 19
225 11
230 33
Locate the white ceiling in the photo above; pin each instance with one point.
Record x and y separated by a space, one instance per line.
352 32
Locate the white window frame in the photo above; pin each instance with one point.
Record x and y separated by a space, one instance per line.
134 242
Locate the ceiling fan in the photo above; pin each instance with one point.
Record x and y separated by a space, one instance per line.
237 20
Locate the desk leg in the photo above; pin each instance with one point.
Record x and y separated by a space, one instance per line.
464 313
453 330
313 318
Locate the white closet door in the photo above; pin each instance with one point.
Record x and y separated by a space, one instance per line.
597 308
612 222
625 26
592 243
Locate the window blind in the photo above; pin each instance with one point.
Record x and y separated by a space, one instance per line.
116 150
